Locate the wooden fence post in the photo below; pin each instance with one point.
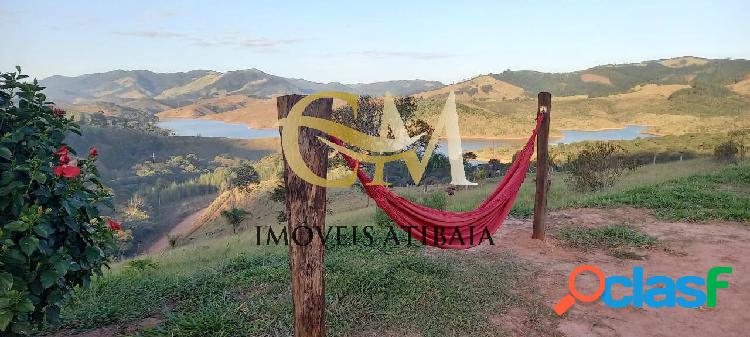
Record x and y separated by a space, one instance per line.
542 166
306 209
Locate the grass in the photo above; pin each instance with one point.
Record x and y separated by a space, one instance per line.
562 196
228 286
231 287
607 237
717 195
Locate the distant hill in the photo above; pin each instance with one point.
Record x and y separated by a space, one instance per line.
156 92
673 96
477 88
619 78
256 112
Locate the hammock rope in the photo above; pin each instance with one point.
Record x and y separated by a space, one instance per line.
452 230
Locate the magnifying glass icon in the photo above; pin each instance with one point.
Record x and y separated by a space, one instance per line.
568 300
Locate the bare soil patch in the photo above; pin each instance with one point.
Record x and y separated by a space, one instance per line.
116 330
685 249
595 78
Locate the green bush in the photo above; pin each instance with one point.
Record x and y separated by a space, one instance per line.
613 236
142 265
244 175
727 152
596 166
52 237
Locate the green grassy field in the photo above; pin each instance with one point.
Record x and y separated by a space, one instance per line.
229 286
561 195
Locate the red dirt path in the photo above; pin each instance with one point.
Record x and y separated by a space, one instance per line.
686 249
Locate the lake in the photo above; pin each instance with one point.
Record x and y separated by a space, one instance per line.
210 128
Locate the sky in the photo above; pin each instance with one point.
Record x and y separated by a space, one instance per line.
363 41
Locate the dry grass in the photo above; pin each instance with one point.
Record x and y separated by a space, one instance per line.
255 112
679 62
481 87
595 78
742 87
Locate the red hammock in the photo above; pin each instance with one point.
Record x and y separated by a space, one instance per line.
452 230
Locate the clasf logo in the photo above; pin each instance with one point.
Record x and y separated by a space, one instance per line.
656 291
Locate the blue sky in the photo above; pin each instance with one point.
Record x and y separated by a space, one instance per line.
357 41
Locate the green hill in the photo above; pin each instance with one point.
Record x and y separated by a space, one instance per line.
620 78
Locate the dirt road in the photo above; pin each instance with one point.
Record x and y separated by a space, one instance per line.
187 226
686 249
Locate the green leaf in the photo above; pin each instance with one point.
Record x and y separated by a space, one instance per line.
92 254
61 267
53 314
40 177
7 189
48 278
5 318
25 305
6 281
17 226
29 245
5 152
42 230
14 256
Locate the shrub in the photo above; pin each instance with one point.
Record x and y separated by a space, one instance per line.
597 166
142 265
52 237
235 216
727 152
278 194
436 200
608 237
244 175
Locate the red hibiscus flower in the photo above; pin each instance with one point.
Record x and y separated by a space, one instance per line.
58 112
64 159
62 151
93 152
114 225
66 171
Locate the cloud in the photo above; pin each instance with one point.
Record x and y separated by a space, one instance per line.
254 43
227 40
153 34
402 54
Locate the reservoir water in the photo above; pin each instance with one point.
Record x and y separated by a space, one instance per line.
211 128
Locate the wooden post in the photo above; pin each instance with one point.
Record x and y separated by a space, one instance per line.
306 209
542 166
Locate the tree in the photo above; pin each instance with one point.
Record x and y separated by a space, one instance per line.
52 238
496 166
244 175
235 216
727 152
598 165
740 136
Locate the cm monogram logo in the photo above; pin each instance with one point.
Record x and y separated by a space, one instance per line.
387 149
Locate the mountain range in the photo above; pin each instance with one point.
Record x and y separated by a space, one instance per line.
677 95
155 92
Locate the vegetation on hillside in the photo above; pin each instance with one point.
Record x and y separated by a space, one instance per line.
622 77
243 287
53 238
171 176
721 195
